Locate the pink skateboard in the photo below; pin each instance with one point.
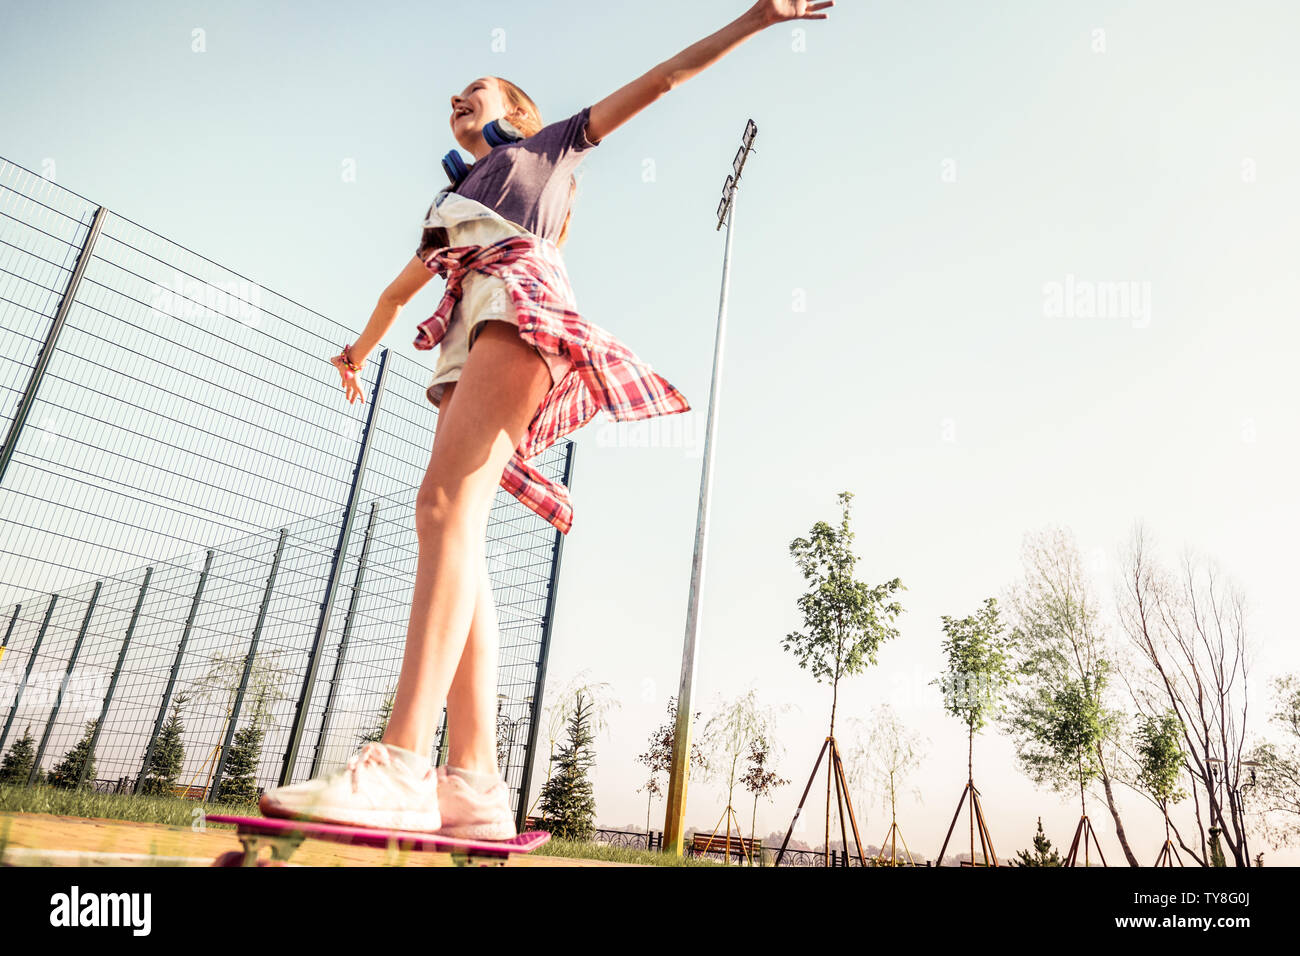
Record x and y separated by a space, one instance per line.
284 836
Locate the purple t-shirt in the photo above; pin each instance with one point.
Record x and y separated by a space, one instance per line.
528 182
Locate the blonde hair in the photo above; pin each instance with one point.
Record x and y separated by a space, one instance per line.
527 118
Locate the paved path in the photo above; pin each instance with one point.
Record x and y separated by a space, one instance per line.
39 839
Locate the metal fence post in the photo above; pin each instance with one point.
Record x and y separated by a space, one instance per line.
63 686
332 585
13 619
51 340
31 662
171 679
248 667
343 641
440 753
539 688
117 672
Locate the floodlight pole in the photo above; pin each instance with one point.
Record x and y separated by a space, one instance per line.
674 819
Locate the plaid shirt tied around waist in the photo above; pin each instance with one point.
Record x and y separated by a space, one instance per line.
606 374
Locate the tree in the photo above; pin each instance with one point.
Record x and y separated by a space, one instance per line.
1276 791
221 683
222 679
845 620
1160 760
757 779
567 802
979 669
1190 636
856 740
1216 848
168 753
1043 854
68 771
726 738
659 757
1065 659
17 765
556 716
1059 725
376 734
239 780
239 783
894 751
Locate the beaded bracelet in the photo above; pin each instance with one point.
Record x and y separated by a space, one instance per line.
346 355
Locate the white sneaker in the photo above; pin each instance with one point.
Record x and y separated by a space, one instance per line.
375 789
472 814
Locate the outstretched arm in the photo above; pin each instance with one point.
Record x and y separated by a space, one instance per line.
413 277
624 103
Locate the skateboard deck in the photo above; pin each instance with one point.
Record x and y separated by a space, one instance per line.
284 836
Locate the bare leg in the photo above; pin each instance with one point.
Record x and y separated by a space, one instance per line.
472 699
500 388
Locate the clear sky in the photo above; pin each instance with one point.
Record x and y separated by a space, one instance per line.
925 176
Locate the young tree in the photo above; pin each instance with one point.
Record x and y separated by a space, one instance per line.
1190 635
567 802
239 782
1043 854
1160 760
1276 789
556 715
727 737
845 620
17 765
220 684
168 754
68 771
1216 849
659 758
757 779
1065 658
894 752
1059 724
504 725
376 734
651 788
857 742
979 669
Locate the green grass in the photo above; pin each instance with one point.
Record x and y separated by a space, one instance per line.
173 811
176 811
617 854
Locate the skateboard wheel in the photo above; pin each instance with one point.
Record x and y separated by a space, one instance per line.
236 858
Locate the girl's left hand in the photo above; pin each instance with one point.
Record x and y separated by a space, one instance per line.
350 383
778 11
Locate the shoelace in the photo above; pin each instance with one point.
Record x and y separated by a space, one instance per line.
371 755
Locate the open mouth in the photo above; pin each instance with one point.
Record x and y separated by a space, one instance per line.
460 112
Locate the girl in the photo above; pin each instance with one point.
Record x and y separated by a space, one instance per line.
539 371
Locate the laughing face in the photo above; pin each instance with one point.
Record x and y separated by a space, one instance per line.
480 103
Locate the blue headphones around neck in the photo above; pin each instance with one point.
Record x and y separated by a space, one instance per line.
499 132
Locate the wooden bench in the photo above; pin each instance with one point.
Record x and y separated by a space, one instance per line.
742 848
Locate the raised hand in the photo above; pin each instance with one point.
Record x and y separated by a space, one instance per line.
778 11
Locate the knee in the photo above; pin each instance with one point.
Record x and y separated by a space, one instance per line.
440 511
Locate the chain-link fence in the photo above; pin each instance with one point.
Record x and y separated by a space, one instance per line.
192 514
